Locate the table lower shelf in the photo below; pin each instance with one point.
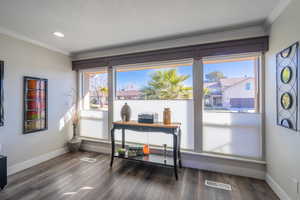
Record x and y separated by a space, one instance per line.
152 158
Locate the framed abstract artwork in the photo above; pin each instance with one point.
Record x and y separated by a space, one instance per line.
35 104
1 93
287 81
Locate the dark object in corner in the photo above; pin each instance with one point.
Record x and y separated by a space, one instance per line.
1 93
3 172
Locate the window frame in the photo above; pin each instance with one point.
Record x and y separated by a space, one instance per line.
80 104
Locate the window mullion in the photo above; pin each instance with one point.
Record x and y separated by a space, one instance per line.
261 99
197 94
111 93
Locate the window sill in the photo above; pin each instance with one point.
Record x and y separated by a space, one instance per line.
189 152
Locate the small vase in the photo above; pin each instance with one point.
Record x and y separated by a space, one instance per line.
167 116
75 143
125 113
146 149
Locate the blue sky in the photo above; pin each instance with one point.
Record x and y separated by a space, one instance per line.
140 78
232 69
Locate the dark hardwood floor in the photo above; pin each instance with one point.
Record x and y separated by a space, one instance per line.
66 177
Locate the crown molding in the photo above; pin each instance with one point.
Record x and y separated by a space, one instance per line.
11 33
276 12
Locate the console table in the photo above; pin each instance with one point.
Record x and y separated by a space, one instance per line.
3 171
173 129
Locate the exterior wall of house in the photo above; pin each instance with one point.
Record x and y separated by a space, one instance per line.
238 91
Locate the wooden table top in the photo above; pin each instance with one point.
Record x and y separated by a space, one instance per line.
158 124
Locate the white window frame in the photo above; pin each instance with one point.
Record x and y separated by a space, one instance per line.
198 106
80 77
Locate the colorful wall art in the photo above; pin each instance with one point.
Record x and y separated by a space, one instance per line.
287 65
35 104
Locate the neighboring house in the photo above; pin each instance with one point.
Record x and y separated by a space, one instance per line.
128 94
231 93
214 96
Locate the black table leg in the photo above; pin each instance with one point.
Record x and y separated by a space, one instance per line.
175 154
179 146
112 146
123 138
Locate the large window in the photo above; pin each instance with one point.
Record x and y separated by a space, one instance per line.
151 89
231 118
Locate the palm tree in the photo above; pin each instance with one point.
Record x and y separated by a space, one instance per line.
167 84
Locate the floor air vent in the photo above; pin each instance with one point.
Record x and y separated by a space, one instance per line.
89 160
218 185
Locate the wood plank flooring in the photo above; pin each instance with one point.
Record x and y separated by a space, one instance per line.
67 177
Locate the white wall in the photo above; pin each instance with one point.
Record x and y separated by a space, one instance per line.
282 145
24 59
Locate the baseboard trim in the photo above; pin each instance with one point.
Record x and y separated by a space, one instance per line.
233 168
276 188
35 161
98 149
202 162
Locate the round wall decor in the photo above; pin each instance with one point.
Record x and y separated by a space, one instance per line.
286 74
286 123
286 100
286 53
287 87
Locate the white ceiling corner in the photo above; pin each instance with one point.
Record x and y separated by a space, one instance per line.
16 35
278 9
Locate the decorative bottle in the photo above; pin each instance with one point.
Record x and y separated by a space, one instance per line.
167 116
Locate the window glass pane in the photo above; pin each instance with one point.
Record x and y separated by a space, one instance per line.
94 116
155 83
230 86
151 90
95 90
231 124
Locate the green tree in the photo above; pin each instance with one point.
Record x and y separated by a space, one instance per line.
214 76
206 92
102 95
167 84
